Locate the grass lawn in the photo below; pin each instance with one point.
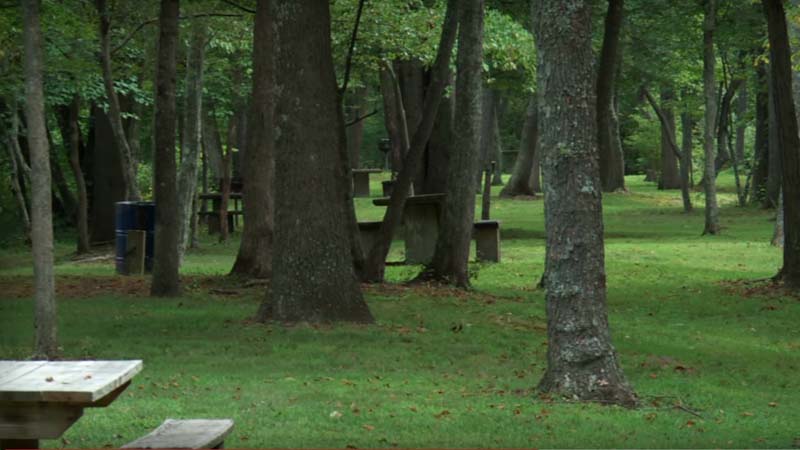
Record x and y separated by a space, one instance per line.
716 362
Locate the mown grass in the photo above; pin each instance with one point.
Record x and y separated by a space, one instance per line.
716 365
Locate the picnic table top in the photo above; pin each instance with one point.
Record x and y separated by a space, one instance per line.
367 170
78 382
421 199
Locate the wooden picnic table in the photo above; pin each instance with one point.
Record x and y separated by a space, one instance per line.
212 217
421 217
42 399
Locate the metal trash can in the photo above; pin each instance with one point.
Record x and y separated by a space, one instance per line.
133 216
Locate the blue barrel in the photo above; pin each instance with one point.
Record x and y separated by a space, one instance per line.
134 216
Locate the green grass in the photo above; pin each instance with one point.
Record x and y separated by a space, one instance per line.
410 381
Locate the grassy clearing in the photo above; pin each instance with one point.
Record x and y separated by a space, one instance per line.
727 354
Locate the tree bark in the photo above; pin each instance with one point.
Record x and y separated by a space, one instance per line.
450 262
376 260
18 169
670 176
774 158
391 118
724 125
687 146
612 171
762 136
114 110
166 260
519 184
193 120
45 318
71 135
440 146
315 280
255 251
788 139
709 91
582 362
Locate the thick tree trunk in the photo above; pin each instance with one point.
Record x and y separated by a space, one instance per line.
780 55
376 260
709 91
440 146
612 172
193 120
411 75
166 281
391 118
71 135
114 110
762 136
670 176
687 147
45 319
255 251
315 280
777 232
450 262
519 184
582 362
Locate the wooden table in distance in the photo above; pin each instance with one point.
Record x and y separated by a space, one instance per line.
361 181
212 216
42 399
421 218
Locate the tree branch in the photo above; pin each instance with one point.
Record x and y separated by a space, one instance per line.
360 118
239 7
664 122
349 62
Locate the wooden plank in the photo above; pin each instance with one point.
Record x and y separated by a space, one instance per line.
192 433
36 420
11 370
76 382
135 252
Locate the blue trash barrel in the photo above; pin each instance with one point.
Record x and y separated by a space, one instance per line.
134 216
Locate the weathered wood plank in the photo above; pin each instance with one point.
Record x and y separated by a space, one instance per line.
192 433
82 382
36 420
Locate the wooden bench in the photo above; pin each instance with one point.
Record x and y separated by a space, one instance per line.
191 433
487 240
212 220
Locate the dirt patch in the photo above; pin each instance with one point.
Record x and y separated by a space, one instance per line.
761 289
432 290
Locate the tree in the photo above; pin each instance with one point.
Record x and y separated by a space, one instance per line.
612 171
315 280
519 183
166 281
788 139
255 252
581 360
670 176
192 125
41 212
709 91
451 259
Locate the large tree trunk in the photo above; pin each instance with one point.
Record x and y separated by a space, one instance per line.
71 136
670 176
582 362
315 280
612 172
774 154
440 146
45 320
780 55
114 110
391 118
762 136
519 184
166 260
376 260
450 262
709 91
411 75
687 147
190 152
255 251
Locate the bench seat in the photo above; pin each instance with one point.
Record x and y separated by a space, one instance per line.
190 433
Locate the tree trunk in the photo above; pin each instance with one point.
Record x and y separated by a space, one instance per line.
519 184
741 126
255 251
582 362
114 111
45 319
780 55
187 175
724 125
497 150
71 136
391 118
411 75
440 147
762 132
687 146
376 260
670 176
486 149
315 280
709 91
65 197
450 262
166 260
774 158
356 107
777 233
612 172
17 171
212 142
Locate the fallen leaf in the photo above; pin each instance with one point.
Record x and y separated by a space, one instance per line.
689 423
747 414
368 427
442 414
772 404
335 415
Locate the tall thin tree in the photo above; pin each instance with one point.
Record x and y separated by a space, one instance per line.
41 207
612 171
710 93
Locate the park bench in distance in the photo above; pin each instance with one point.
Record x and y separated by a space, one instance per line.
191 433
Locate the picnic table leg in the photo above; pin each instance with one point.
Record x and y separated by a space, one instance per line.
8 444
